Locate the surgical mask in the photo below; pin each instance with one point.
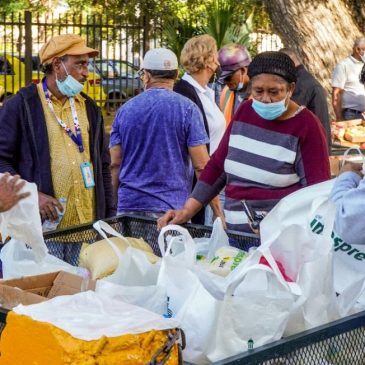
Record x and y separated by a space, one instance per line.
69 86
269 111
240 84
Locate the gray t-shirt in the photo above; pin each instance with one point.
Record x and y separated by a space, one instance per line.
155 130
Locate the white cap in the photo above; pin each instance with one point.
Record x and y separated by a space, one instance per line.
160 59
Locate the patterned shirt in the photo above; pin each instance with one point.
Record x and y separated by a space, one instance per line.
66 159
262 161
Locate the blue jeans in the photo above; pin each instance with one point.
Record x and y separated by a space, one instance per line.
349 114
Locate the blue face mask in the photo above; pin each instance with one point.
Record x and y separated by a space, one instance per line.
69 86
269 111
240 84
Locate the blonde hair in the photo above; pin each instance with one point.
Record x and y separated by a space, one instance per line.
198 52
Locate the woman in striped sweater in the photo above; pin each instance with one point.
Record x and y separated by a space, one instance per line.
272 147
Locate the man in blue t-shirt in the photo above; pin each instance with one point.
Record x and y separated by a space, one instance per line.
157 141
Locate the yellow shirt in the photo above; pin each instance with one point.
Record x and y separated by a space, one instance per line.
66 159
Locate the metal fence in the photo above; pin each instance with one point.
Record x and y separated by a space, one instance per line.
113 76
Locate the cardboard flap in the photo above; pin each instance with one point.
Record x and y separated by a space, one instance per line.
35 289
10 297
32 282
68 284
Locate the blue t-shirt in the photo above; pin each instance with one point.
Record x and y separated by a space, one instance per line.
155 130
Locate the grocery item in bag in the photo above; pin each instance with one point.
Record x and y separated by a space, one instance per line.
226 259
100 259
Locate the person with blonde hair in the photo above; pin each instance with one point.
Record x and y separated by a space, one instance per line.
199 59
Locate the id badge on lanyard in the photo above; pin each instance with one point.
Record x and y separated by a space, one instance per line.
87 175
85 167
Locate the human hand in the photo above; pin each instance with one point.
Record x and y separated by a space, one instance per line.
173 217
10 187
48 205
351 167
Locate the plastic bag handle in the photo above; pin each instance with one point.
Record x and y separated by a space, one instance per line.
293 287
217 239
188 242
101 227
352 148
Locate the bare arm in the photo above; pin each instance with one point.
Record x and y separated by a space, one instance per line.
337 102
116 162
199 157
191 207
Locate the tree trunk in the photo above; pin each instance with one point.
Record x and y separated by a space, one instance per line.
321 31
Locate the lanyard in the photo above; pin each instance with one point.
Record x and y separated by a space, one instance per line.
76 138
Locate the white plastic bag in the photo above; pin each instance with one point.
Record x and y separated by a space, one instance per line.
298 234
208 246
89 316
255 309
150 297
23 222
211 314
134 268
18 260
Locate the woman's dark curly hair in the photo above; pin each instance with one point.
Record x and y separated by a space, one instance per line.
362 75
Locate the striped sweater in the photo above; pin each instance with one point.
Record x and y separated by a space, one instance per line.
262 161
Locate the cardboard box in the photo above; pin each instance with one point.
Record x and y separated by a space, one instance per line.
39 288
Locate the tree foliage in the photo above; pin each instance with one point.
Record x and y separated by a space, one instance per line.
178 20
226 21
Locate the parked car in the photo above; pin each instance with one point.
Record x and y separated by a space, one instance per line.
120 79
12 78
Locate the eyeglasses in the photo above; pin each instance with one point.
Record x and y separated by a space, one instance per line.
141 73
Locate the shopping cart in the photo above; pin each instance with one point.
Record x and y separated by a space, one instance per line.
338 343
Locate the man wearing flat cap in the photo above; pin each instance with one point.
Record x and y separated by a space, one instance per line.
234 60
53 134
